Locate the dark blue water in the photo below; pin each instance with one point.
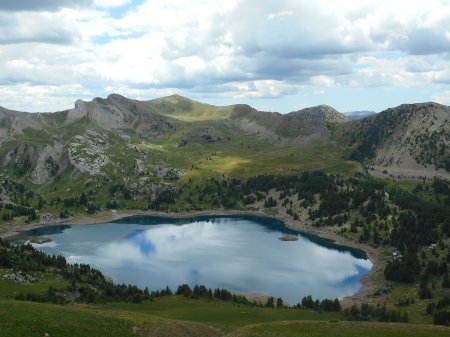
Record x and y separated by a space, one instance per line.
239 253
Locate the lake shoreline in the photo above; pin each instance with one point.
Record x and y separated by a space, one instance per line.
371 281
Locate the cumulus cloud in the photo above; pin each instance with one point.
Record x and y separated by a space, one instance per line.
41 98
239 49
442 97
34 28
322 80
41 5
260 89
428 41
111 3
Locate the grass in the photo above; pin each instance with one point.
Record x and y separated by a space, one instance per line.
176 316
417 311
224 315
235 155
38 137
9 288
340 329
18 319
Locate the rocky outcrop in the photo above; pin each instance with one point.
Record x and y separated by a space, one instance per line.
87 152
52 160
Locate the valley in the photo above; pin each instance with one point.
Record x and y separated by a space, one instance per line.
379 183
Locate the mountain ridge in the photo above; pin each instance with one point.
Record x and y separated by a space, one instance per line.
410 139
322 112
42 146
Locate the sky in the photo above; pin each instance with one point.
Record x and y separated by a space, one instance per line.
281 55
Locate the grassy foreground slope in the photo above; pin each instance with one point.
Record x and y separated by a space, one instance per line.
175 316
171 316
36 319
339 329
174 154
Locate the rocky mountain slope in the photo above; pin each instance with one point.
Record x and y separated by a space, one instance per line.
146 144
409 140
322 112
286 129
114 135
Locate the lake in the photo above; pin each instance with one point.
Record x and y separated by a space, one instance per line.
239 253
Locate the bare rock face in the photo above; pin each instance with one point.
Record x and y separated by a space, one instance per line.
86 152
49 163
79 112
106 113
21 153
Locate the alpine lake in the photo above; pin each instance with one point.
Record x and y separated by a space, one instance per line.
245 254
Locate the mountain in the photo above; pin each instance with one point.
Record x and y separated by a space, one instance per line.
283 129
359 114
149 144
411 140
176 155
323 112
124 138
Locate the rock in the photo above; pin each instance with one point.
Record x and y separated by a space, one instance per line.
49 218
69 296
86 153
51 160
18 277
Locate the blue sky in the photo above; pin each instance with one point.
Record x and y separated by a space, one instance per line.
274 55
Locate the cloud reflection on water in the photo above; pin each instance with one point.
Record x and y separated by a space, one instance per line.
237 254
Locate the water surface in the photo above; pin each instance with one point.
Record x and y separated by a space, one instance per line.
239 253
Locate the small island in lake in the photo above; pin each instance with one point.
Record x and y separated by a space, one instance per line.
288 238
40 240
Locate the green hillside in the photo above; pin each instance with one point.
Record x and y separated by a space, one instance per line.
379 184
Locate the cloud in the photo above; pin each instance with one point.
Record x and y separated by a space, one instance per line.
428 41
272 16
111 3
259 89
41 98
322 80
294 29
41 5
442 97
27 29
248 49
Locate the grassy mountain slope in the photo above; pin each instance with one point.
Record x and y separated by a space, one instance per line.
122 153
129 139
187 318
175 316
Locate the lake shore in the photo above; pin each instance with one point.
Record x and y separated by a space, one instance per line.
371 281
